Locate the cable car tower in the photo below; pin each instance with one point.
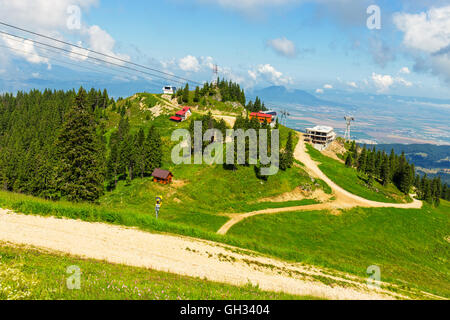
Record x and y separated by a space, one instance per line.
284 116
348 120
216 74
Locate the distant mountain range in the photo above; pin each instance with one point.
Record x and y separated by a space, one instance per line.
340 98
281 94
297 96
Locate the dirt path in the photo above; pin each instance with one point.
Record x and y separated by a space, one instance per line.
181 255
343 198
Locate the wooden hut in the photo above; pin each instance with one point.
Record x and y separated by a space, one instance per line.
162 176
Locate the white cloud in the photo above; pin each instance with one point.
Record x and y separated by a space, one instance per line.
319 91
427 31
283 47
40 15
268 73
405 70
328 86
51 18
101 41
79 54
24 49
189 63
428 34
352 84
384 82
248 5
404 82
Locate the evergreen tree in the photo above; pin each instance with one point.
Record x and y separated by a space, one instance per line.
348 160
185 98
139 148
362 160
385 173
80 169
153 151
197 94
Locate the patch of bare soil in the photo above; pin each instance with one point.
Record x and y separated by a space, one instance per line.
297 194
178 183
334 149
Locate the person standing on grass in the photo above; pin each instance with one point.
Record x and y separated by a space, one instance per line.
158 205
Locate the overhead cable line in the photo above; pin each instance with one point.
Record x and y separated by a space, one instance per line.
79 65
89 57
99 53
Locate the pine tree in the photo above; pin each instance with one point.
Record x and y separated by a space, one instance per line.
197 94
80 168
385 173
362 160
185 97
348 160
140 153
153 151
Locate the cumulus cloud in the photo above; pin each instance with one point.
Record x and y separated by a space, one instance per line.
189 63
102 41
384 82
352 84
428 35
268 73
24 49
328 86
283 46
404 70
52 18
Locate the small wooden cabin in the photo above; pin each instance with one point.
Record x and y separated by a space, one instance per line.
162 176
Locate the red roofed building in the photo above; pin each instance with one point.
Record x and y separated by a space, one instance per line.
261 117
182 115
176 119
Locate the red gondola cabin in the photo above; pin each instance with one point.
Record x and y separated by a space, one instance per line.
162 176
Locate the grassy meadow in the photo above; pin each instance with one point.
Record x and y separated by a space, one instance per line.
412 247
37 275
354 182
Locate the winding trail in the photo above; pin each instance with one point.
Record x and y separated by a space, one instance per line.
343 198
200 258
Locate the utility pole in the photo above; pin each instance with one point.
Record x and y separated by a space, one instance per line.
215 73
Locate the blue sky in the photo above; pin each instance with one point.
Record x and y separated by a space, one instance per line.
316 45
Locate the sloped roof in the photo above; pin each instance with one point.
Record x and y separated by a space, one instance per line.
161 174
260 115
175 118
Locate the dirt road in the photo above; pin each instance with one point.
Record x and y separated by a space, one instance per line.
343 198
180 255
198 258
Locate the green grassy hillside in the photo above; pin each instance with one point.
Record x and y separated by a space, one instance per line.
354 182
30 274
412 247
